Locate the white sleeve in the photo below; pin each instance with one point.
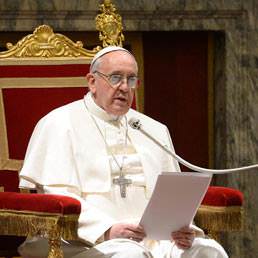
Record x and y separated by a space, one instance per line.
49 158
92 222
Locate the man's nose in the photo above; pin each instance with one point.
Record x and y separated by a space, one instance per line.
124 84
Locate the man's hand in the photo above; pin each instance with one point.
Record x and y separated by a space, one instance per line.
121 230
184 237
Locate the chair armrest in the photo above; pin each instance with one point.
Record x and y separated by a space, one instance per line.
221 210
23 214
223 197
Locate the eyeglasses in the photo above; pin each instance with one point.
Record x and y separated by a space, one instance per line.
115 80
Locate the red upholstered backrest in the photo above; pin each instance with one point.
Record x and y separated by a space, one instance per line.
29 89
9 180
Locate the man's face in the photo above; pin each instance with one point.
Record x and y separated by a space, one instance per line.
114 100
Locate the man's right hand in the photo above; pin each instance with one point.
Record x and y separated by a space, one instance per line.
122 230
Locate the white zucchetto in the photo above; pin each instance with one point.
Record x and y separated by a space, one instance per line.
106 50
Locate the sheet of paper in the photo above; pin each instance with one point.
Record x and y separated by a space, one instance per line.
174 203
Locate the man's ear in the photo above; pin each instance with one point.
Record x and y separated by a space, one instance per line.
91 82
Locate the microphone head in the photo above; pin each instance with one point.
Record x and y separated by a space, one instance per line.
135 123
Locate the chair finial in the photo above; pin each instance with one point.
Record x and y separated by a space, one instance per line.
109 25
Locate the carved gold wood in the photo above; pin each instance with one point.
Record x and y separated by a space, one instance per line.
55 250
50 226
109 24
45 43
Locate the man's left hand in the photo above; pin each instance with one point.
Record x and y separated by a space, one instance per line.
183 238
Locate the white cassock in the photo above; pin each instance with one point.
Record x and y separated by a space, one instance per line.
78 150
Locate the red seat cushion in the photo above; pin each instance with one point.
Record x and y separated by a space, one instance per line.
223 196
48 203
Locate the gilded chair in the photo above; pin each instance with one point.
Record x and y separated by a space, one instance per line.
42 71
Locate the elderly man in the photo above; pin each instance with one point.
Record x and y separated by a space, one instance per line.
87 150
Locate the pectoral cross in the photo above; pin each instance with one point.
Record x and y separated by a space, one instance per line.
123 183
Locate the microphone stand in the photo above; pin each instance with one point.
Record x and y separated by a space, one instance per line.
136 124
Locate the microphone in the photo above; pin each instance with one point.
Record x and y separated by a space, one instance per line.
136 124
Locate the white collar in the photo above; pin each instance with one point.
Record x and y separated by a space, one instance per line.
98 111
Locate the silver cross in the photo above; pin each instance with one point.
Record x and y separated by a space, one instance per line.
123 183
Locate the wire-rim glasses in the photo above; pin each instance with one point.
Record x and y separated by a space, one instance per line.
115 80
